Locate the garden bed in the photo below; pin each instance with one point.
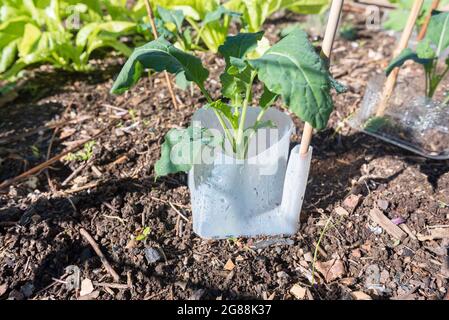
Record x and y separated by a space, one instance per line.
113 195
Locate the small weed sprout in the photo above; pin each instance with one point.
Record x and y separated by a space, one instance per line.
82 155
144 234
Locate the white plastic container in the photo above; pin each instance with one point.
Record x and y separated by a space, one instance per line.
261 195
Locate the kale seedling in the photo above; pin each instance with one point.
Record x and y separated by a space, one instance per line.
428 52
290 69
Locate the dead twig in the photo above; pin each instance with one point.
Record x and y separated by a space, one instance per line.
97 250
393 230
75 172
156 294
178 212
111 285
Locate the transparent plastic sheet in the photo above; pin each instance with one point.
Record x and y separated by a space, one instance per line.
261 195
411 120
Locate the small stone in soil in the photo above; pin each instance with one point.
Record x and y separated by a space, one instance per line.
86 287
152 255
352 201
27 289
382 204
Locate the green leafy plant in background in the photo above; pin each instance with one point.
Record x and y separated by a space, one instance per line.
290 63
428 52
255 12
397 18
208 18
61 33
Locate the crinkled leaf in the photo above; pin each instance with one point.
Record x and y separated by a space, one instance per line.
181 149
226 110
292 69
218 13
159 55
425 50
438 31
162 31
171 16
262 46
237 74
239 45
405 55
238 63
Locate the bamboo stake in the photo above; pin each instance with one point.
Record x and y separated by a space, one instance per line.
403 43
422 32
329 36
155 35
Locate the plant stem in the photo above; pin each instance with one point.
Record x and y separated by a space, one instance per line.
252 133
219 116
198 36
239 138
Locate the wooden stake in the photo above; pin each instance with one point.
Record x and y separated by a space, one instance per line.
403 43
422 32
155 35
329 36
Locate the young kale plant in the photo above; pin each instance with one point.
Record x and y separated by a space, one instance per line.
290 69
428 52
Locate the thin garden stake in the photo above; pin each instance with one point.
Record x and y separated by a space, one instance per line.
329 36
154 30
403 43
422 32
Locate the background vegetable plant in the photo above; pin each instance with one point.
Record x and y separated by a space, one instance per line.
429 52
255 12
65 33
61 33
397 18
290 69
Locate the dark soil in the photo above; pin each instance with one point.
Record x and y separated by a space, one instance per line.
114 196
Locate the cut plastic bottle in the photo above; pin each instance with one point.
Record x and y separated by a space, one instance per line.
261 195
